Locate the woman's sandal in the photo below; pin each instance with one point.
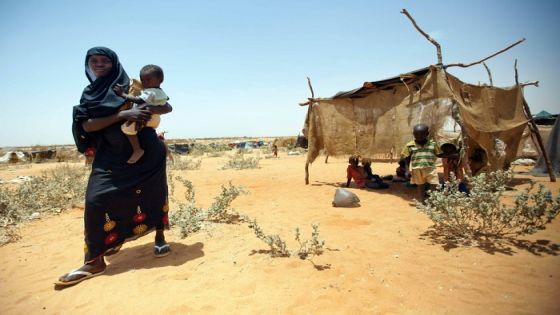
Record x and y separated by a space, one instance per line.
113 250
162 251
86 275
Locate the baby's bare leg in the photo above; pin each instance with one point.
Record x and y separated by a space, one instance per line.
137 150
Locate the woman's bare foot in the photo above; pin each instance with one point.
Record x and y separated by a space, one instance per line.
136 155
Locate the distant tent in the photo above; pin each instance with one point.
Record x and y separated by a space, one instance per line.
541 114
13 157
553 150
545 118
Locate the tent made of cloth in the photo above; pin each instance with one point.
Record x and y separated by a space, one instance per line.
13 157
376 120
553 150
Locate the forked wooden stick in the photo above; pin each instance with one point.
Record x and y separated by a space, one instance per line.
310 103
489 73
433 41
462 65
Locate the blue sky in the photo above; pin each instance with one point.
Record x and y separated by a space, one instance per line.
238 68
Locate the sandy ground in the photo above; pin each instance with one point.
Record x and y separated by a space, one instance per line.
378 260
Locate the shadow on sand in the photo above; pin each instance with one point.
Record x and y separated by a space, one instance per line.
505 245
142 257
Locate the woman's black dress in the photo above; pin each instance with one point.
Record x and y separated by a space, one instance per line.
123 201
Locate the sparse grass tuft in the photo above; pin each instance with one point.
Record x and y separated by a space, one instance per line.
52 192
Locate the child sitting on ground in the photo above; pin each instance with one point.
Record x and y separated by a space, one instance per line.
401 174
374 178
356 172
452 164
421 154
151 77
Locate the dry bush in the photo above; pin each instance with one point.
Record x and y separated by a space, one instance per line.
238 161
181 164
216 154
51 192
187 218
312 247
481 214
220 210
275 243
277 247
286 142
213 149
68 156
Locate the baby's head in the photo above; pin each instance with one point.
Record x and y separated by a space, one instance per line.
151 76
354 160
421 133
448 149
402 163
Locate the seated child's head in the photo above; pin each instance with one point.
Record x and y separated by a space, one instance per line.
402 163
151 76
354 160
366 162
421 133
449 148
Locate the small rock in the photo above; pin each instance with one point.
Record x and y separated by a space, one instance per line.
35 215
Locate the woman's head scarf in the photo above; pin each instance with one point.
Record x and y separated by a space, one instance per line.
98 98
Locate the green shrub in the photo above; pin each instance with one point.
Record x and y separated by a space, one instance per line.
482 214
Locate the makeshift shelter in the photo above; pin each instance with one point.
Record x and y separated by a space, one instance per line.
376 119
13 157
553 151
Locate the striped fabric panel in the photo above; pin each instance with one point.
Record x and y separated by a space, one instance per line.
423 156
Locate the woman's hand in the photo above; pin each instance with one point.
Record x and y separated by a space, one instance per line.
119 90
140 114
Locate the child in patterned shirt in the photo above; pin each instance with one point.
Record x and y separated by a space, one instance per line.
421 154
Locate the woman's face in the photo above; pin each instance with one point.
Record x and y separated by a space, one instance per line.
100 65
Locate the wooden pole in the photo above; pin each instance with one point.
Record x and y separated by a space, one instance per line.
535 130
430 39
309 124
489 73
464 158
516 74
462 65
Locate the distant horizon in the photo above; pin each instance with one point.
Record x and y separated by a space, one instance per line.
167 139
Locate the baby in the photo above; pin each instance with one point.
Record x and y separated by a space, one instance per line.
151 77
